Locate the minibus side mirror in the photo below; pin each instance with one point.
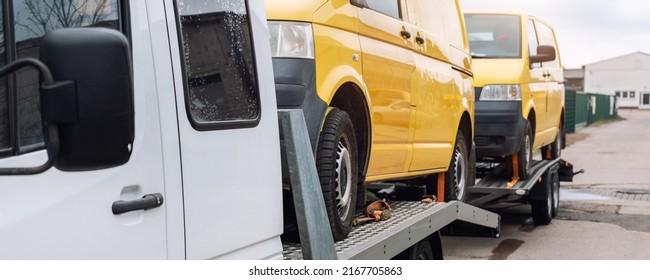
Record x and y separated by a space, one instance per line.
544 53
359 3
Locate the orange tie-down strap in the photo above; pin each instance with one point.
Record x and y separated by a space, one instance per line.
441 187
377 211
515 172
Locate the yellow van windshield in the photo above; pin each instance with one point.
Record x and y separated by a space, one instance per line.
494 36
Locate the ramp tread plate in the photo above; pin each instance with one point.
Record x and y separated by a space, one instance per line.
405 213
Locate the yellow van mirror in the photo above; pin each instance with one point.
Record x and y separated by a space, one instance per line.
359 3
544 53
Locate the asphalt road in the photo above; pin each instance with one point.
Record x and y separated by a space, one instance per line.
604 214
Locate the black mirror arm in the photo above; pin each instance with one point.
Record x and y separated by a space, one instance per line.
24 62
52 130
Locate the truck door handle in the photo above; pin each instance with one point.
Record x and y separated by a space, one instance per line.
419 39
405 34
148 201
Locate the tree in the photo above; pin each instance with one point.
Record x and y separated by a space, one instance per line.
47 15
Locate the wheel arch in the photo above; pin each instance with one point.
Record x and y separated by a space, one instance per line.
532 119
350 98
465 126
563 130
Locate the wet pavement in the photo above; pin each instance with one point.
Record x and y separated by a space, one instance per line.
577 195
603 214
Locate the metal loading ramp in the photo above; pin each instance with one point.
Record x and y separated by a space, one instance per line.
411 222
493 187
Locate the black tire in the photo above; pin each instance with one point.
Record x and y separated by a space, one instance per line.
457 176
555 190
420 251
542 210
336 161
524 155
424 251
555 147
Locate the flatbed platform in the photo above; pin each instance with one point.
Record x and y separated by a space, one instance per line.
411 222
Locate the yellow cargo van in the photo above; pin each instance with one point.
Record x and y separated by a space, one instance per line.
519 88
386 90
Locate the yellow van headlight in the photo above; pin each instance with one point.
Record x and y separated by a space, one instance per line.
500 93
291 39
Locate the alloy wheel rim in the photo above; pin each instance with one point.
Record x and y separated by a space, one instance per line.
343 182
459 175
558 143
556 195
528 152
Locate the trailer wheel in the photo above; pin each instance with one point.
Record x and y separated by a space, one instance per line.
457 176
524 155
555 147
336 161
542 210
555 188
422 250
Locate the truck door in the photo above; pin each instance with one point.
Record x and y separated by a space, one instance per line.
388 63
228 125
554 80
538 85
434 88
68 215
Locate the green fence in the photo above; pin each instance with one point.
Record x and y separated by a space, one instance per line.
583 109
570 112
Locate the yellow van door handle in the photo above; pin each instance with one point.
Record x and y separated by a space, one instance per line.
405 34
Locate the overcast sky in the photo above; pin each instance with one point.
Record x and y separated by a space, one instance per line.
587 30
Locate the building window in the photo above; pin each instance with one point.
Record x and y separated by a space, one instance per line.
618 94
632 94
625 94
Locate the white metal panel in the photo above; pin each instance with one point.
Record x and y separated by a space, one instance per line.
67 215
232 178
637 60
158 18
625 73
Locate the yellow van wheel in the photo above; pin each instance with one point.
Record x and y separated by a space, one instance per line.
457 176
554 148
336 161
524 155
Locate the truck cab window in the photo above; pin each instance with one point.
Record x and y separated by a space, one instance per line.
219 68
20 121
387 7
546 37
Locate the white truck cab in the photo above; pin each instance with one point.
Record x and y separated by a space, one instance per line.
161 135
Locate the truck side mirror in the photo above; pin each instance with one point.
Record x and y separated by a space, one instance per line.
86 99
359 3
544 53
98 61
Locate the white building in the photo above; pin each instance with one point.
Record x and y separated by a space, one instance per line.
627 77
